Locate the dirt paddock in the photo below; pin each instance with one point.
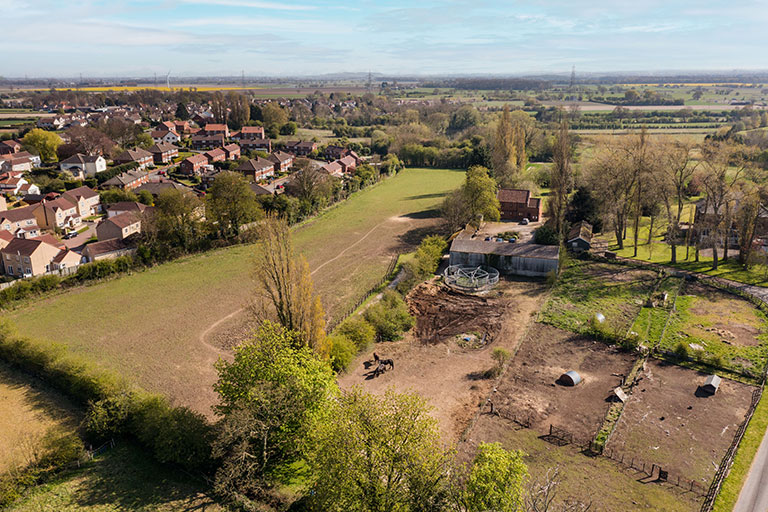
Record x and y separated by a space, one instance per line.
667 422
529 389
451 377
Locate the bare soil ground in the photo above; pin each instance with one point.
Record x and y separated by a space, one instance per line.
450 377
529 390
667 422
605 484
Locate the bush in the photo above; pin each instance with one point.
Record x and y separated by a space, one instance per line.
358 331
545 235
60 449
343 351
389 317
108 417
681 350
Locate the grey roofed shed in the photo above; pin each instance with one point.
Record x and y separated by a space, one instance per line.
570 378
711 384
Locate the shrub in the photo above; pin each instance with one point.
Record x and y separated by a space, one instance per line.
546 235
108 417
60 449
681 350
343 352
500 355
390 317
358 331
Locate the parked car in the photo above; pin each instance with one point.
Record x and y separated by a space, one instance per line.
525 222
71 234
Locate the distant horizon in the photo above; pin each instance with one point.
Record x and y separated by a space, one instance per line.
194 38
362 75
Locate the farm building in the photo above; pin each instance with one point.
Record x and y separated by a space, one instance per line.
711 384
517 204
580 237
508 258
570 378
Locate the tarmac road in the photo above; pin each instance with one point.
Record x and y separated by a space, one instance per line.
754 495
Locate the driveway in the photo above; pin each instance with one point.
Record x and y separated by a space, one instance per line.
77 243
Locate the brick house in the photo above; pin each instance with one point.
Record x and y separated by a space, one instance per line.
348 163
193 165
283 161
82 166
301 148
118 226
251 132
333 168
257 169
517 204
256 144
59 213
85 199
216 129
20 222
163 153
166 136
141 156
206 141
232 151
128 180
28 257
215 155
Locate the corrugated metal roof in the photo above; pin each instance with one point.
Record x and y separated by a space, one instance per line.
478 246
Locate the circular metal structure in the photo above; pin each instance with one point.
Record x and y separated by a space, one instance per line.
470 278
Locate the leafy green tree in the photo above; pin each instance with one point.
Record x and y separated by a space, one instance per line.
342 351
390 316
377 453
288 128
356 329
274 115
231 203
496 481
145 197
43 143
465 117
269 395
175 224
504 151
116 195
474 201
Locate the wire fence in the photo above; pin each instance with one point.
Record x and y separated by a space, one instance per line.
655 472
388 275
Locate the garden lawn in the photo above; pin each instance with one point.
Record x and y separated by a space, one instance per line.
150 326
659 252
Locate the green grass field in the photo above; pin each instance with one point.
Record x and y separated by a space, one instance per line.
586 288
121 479
150 326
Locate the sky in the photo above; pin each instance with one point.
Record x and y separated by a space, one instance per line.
58 38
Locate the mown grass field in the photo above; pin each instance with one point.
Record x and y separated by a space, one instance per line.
149 326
